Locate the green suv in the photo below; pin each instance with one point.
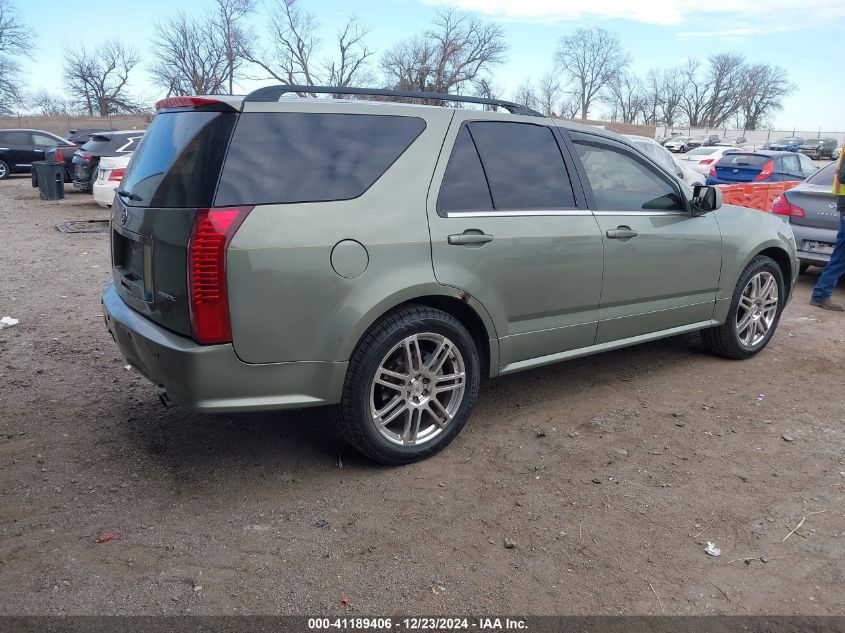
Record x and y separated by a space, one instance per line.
271 252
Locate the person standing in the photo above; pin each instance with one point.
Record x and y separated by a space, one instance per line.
835 268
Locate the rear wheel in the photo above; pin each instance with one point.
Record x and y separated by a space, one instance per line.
4 170
754 313
410 386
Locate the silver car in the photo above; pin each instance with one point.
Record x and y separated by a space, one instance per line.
811 210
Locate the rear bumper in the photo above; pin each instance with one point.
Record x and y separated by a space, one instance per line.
103 194
211 377
805 234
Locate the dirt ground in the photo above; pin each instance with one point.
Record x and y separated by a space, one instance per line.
610 474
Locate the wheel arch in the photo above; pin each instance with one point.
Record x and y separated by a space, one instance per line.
458 303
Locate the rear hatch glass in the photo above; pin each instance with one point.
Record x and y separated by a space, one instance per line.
173 172
741 167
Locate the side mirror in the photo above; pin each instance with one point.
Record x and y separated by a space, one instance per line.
706 199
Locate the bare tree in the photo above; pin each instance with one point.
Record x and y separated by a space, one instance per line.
625 96
457 51
549 93
234 38
293 56
673 88
48 104
350 68
590 58
696 94
527 95
98 80
15 42
570 107
762 93
189 57
725 76
484 88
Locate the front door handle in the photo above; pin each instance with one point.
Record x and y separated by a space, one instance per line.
621 233
471 237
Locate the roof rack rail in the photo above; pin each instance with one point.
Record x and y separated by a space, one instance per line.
273 93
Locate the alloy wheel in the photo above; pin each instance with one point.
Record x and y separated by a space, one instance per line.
417 389
758 307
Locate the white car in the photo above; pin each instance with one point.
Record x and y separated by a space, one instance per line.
701 159
109 175
656 152
678 144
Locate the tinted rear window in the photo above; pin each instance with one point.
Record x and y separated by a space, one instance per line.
743 160
824 176
178 160
464 185
282 157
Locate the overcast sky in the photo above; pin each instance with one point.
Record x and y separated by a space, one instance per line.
805 37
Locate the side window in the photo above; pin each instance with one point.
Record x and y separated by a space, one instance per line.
283 157
807 166
17 139
41 141
620 182
523 165
464 185
791 164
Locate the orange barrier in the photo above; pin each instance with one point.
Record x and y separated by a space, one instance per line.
758 195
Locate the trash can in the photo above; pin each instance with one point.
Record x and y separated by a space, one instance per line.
49 176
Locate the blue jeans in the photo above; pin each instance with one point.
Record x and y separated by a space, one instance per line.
836 266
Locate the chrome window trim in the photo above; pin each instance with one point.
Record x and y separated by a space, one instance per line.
655 213
518 213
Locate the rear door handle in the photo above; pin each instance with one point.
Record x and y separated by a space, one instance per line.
621 233
470 237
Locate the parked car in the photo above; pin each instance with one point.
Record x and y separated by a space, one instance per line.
86 159
662 157
109 175
388 255
80 137
707 140
837 152
701 159
810 208
678 144
818 148
788 144
761 166
20 148
663 139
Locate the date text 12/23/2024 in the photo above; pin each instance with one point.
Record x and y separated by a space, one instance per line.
418 624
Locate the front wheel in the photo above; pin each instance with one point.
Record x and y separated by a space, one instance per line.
411 384
754 313
4 170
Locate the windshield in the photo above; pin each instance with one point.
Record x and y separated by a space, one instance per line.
178 161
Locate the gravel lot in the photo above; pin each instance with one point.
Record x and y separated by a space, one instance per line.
608 474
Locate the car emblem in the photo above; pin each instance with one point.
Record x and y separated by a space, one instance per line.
736 171
124 216
832 205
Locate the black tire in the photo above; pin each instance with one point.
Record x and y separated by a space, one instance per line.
353 416
803 268
724 339
4 170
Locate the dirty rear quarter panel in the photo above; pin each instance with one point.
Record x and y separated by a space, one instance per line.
287 303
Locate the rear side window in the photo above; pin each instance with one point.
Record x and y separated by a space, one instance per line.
16 138
178 160
524 166
283 157
823 177
464 185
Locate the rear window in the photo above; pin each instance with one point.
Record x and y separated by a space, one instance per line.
178 160
824 176
701 151
284 157
743 160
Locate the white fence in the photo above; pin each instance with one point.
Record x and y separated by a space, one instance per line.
754 139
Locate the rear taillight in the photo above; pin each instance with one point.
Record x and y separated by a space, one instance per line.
706 161
59 156
712 171
117 174
766 171
188 102
87 157
211 234
782 206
